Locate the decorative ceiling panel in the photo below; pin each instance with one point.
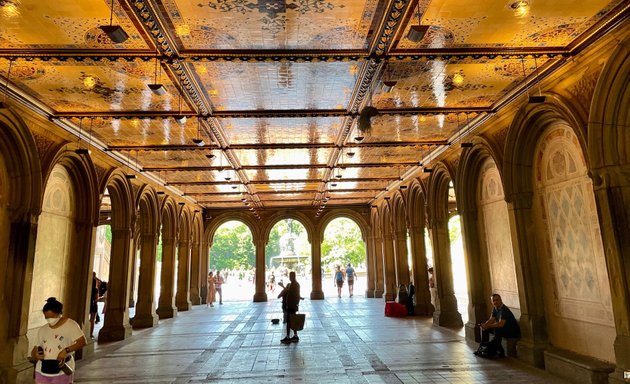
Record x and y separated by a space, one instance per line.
374 186
168 158
283 156
452 83
282 130
73 24
237 85
287 196
93 86
500 23
386 173
140 131
285 174
390 155
272 24
287 187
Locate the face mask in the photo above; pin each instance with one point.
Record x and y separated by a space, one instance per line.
53 320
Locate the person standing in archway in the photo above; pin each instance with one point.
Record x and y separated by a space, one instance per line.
339 280
218 283
211 290
350 275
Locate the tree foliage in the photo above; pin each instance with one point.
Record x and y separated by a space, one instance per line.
233 247
342 244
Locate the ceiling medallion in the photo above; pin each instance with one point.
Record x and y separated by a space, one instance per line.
520 8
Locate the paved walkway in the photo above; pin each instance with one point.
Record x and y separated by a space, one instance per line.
344 341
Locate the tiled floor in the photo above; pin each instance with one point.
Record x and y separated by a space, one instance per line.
344 341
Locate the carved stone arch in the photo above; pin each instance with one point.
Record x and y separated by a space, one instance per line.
169 218
22 165
438 191
148 206
608 136
375 222
120 194
185 224
224 217
83 174
523 136
279 216
470 165
416 207
347 213
399 220
386 219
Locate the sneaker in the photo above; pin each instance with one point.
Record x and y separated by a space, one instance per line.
212 305
221 303
286 340
295 339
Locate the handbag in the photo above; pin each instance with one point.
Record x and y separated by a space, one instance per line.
50 366
296 321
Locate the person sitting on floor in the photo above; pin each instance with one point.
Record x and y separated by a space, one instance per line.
501 323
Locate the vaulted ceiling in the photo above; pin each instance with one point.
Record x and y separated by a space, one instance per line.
274 88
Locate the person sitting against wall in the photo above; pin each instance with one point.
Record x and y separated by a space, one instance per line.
501 323
55 345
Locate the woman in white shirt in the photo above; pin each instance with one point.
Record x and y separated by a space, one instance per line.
55 346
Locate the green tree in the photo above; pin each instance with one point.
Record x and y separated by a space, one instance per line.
233 247
342 244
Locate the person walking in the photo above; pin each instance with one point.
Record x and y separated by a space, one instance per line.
350 275
218 283
339 280
211 290
55 345
94 297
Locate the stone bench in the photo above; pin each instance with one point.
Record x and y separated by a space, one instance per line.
576 368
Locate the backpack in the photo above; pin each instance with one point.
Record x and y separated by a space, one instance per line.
488 348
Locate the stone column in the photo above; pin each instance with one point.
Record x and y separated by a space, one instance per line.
379 262
371 263
260 294
446 313
316 263
195 274
116 326
182 298
16 290
389 268
613 206
534 339
402 263
420 277
166 306
477 309
145 315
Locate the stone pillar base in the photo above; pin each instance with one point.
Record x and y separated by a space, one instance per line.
424 309
203 293
369 293
317 295
471 332
448 319
144 321
20 374
378 293
389 296
184 306
166 312
116 333
260 297
532 353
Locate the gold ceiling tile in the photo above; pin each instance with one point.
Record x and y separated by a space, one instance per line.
285 174
146 132
70 24
255 24
240 85
282 156
282 130
496 24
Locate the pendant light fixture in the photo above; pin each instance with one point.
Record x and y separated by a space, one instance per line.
157 87
536 99
417 32
115 32
198 140
179 118
467 144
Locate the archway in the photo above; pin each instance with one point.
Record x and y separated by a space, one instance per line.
288 249
343 244
233 254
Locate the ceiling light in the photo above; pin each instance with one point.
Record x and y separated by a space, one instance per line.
388 85
350 154
157 89
210 156
180 119
199 142
458 78
403 187
338 176
359 138
160 192
333 184
520 8
115 32
374 206
417 32
234 186
82 151
386 197
89 82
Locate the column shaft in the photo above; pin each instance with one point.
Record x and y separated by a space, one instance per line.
166 307
446 313
316 262
182 299
419 273
145 315
389 268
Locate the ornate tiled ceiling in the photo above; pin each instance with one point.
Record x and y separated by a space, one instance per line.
274 88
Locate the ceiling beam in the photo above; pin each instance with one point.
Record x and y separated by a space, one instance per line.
276 166
342 180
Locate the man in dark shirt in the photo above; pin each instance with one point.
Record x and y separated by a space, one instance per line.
502 323
293 301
